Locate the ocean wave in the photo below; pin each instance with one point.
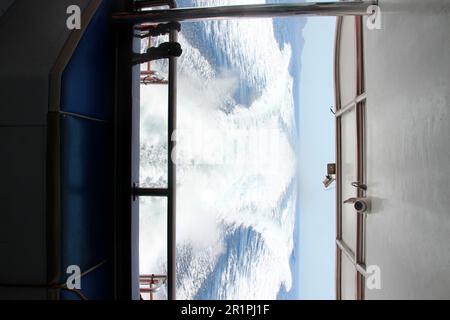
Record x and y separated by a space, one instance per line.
235 166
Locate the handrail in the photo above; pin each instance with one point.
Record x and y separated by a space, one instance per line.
357 258
149 192
334 8
151 283
361 268
362 97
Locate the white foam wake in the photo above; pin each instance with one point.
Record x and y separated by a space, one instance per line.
233 168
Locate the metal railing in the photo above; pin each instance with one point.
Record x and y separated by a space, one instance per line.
333 8
360 267
170 191
151 284
357 258
349 106
149 76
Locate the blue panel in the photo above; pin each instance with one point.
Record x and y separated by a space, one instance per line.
86 203
87 81
87 160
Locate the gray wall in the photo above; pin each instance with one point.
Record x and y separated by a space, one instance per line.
408 149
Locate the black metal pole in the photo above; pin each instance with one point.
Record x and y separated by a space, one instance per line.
333 8
149 192
172 183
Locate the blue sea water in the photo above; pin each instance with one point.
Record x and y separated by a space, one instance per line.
245 242
250 247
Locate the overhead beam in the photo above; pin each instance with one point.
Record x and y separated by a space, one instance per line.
333 8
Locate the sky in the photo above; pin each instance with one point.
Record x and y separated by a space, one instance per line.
316 149
255 134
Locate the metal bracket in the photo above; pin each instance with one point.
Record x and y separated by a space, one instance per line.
359 185
374 20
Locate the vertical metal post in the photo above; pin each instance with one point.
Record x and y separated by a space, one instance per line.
171 199
359 254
